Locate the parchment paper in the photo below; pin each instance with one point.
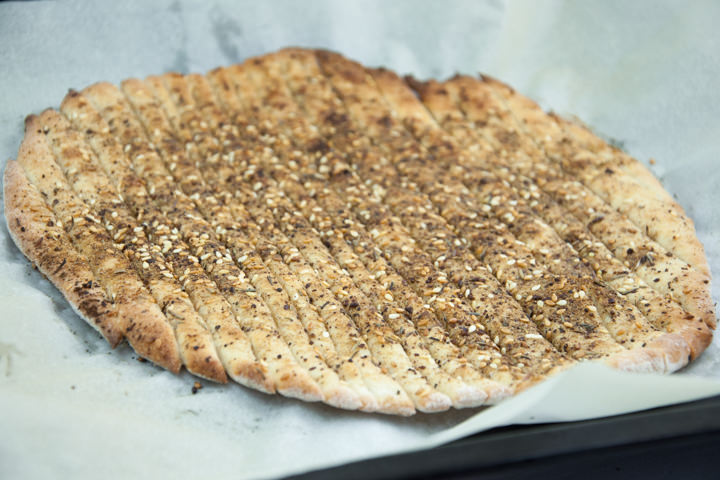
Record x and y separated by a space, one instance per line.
643 74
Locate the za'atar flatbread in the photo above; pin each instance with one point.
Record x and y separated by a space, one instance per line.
307 226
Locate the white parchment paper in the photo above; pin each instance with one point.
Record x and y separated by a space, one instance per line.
641 73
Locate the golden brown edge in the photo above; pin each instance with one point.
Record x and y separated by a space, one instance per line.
23 211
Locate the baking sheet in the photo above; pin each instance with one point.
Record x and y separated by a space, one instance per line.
643 74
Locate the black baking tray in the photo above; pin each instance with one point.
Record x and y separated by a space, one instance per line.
678 441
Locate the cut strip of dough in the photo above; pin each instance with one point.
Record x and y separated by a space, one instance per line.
348 79
93 187
620 180
144 325
668 274
661 310
462 395
36 232
627 325
381 341
464 339
232 344
252 313
230 232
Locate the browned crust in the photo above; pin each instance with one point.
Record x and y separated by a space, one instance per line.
666 354
462 395
662 310
232 344
349 77
144 324
175 96
631 188
86 178
618 178
368 116
658 267
34 230
652 357
289 378
673 351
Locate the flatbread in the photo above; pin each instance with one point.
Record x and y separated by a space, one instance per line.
307 226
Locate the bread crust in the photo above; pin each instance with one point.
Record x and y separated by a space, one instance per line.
661 310
661 269
35 231
618 178
145 326
233 346
308 226
92 187
618 322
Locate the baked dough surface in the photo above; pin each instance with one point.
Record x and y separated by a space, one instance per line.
307 226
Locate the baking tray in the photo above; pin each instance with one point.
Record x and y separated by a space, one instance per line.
679 441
